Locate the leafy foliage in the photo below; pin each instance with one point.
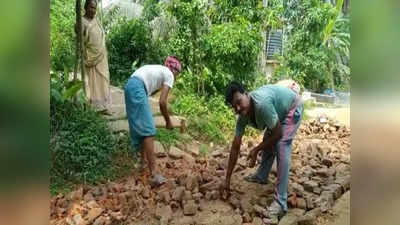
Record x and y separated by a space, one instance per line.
214 50
232 51
62 35
210 118
81 143
62 89
315 51
129 41
192 25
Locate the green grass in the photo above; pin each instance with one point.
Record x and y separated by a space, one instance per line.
169 137
204 149
209 119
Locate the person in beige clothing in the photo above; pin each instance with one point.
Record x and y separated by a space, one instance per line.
97 76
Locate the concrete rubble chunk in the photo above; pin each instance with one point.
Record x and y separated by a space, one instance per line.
214 195
263 201
146 193
88 197
310 185
171 184
93 214
336 190
310 217
246 218
163 212
238 219
93 204
306 220
342 169
325 201
190 208
193 149
257 221
185 220
165 196
317 190
159 149
100 221
208 195
327 162
197 196
187 196
182 179
246 205
269 221
76 195
178 193
297 211
344 182
322 172
301 203
234 201
261 211
217 153
212 185
298 189
78 220
188 158
175 153
289 219
191 182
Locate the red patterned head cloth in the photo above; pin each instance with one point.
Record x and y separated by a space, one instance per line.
173 64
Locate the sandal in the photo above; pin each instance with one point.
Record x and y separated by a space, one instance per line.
252 178
157 180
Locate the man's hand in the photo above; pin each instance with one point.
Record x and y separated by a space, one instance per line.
252 157
224 189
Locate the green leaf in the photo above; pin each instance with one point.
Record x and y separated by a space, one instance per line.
72 91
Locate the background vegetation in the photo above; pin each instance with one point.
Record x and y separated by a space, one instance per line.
217 42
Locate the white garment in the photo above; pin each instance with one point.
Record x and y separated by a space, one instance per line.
154 76
290 84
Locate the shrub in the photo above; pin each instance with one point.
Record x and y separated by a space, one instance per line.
210 118
81 144
232 50
130 45
62 35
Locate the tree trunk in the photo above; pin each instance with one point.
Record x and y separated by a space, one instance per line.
79 43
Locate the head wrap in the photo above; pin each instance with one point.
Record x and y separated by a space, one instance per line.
173 64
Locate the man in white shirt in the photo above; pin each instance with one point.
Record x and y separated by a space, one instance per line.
144 82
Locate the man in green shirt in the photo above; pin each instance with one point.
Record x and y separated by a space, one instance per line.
277 110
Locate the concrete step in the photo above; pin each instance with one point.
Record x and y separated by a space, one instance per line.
123 125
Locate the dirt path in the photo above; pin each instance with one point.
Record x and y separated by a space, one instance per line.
340 214
341 114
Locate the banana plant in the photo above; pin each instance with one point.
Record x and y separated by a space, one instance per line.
62 89
336 39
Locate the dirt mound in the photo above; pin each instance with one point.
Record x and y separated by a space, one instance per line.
320 173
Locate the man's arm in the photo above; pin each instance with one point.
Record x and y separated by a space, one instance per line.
270 141
233 156
163 105
267 143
